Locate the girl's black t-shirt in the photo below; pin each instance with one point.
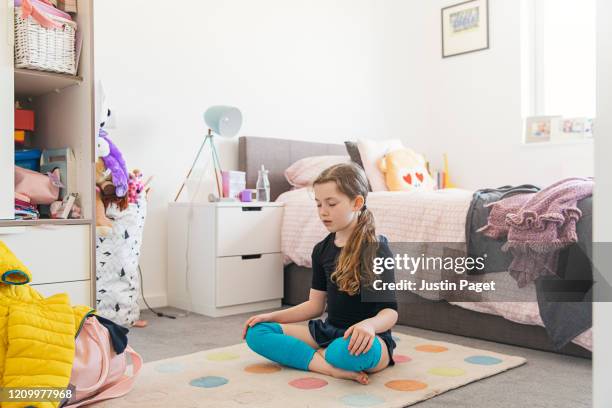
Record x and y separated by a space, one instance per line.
344 310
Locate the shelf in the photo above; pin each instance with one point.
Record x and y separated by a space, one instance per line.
30 83
585 141
41 222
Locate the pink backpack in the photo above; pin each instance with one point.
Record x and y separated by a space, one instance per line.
98 373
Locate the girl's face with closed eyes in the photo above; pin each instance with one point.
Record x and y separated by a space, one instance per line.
336 210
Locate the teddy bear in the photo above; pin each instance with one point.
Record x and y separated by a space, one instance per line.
111 179
405 170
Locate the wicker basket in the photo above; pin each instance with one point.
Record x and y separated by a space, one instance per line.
45 49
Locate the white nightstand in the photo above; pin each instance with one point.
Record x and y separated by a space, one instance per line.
224 258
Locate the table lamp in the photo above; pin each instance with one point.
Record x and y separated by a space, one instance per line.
223 121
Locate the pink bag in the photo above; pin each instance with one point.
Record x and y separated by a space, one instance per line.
98 373
39 188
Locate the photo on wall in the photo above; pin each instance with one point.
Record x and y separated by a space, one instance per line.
540 129
465 28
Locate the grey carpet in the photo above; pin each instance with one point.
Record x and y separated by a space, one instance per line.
548 380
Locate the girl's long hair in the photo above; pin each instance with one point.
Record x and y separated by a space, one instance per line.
354 266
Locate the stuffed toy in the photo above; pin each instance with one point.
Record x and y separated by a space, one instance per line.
115 163
136 186
112 176
104 179
111 179
104 225
405 170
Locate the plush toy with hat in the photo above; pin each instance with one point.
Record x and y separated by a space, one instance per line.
112 176
405 170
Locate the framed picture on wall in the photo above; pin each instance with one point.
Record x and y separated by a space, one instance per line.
573 129
539 129
465 28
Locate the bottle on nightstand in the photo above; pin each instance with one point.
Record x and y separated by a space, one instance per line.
263 185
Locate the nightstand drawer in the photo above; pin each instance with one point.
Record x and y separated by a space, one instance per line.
245 279
52 253
248 230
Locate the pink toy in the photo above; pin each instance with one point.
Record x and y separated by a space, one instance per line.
135 186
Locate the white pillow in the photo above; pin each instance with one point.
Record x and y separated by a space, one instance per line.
371 151
303 172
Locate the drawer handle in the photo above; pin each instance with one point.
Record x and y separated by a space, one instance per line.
251 208
256 256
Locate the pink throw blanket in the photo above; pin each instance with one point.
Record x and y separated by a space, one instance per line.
537 226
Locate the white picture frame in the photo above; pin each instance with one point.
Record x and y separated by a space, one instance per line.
465 28
572 129
540 129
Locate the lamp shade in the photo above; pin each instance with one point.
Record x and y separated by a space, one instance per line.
223 120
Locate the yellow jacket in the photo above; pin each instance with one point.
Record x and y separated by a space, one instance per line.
37 334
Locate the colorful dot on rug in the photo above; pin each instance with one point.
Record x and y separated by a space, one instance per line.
209 382
170 368
262 368
308 383
222 356
447 371
406 385
430 348
483 360
362 400
400 358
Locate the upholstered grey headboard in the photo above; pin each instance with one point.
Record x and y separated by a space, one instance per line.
276 155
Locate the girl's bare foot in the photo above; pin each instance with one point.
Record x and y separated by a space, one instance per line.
319 365
359 376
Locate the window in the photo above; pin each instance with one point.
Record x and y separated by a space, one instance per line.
559 54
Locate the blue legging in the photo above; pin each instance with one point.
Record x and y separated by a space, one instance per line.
268 340
338 355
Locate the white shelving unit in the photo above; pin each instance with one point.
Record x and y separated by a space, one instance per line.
7 205
60 253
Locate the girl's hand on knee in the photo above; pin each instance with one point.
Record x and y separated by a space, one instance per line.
362 337
253 320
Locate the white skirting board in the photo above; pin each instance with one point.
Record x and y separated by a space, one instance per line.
155 301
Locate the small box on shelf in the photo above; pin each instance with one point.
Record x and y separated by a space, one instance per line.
28 159
65 161
69 6
24 119
23 139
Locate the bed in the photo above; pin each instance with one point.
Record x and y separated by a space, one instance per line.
516 323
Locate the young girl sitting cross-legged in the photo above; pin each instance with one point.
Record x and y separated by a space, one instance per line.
355 339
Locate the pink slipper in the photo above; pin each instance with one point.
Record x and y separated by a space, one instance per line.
140 323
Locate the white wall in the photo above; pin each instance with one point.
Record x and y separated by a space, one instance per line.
602 313
474 109
326 70
313 70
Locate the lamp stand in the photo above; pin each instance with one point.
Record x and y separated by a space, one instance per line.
216 164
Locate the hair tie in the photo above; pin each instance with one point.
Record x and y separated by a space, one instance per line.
365 207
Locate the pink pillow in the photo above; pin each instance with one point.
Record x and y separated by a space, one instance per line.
371 151
303 172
